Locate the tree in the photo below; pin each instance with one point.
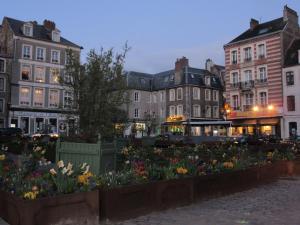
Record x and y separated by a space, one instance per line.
99 90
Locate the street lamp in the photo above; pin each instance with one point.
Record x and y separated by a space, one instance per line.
255 108
270 107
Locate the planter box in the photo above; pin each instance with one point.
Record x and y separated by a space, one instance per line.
50 210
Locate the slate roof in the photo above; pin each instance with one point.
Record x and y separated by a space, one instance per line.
39 32
262 29
291 57
166 79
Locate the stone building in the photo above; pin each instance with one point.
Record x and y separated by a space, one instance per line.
38 54
182 100
254 62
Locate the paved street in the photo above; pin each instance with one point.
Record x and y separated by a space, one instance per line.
273 204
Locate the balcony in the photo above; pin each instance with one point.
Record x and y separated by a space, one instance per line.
247 85
235 85
247 60
262 81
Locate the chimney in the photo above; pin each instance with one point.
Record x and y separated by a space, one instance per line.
290 15
209 64
181 63
49 25
253 23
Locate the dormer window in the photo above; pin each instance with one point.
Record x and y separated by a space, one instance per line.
27 29
207 80
56 35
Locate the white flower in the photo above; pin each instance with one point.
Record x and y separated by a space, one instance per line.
52 171
83 165
127 162
196 157
86 169
70 172
69 166
64 170
110 173
60 164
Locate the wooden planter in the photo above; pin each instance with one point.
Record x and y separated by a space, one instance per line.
50 210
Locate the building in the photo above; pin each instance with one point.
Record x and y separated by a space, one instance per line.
183 100
37 99
291 92
253 63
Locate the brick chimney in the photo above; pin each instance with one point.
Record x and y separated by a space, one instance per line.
253 23
49 25
181 63
290 15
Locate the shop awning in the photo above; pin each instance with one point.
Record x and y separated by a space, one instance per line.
221 122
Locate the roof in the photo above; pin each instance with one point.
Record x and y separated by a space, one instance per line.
291 57
39 32
165 79
261 29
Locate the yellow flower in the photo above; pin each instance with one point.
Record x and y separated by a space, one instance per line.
2 157
228 165
31 195
69 166
60 164
270 155
84 178
181 170
214 162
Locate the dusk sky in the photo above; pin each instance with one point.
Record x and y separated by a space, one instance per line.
158 31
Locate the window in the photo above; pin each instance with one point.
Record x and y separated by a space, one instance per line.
247 54
26 51
136 113
207 111
248 76
68 99
56 36
68 79
162 98
54 98
38 98
291 103
172 110
55 55
235 102
196 111
25 96
207 81
216 112
161 113
235 77
196 93
40 54
1 105
54 75
2 66
179 110
39 74
263 98
2 84
207 95
27 29
234 57
136 96
261 51
172 95
215 95
179 93
290 78
248 100
262 74
25 72
154 98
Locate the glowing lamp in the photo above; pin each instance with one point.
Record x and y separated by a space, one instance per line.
255 108
270 107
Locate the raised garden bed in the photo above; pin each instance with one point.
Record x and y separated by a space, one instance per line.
49 210
132 201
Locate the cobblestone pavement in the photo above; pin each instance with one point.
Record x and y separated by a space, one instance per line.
273 204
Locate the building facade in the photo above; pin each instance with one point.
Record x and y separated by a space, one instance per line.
254 62
183 100
291 92
38 100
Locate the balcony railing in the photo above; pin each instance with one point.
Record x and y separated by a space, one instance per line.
246 85
262 81
235 85
248 59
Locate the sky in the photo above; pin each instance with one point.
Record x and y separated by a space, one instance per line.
158 31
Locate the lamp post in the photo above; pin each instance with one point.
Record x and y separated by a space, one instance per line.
187 116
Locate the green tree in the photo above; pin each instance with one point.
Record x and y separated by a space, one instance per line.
99 90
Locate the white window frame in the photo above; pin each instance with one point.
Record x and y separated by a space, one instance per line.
30 75
198 107
44 54
258 72
55 35
179 90
172 95
235 103
162 96
4 67
172 108
30 28
244 75
35 74
178 109
215 113
64 101
30 96
216 94
136 94
231 77
54 50
136 113
196 93
34 97
207 80
49 101
26 45
50 75
257 49
207 97
231 56
206 111
259 98
249 101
